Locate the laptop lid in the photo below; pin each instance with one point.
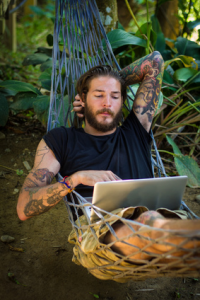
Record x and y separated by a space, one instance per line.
164 192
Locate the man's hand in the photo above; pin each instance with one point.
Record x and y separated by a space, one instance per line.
78 108
91 177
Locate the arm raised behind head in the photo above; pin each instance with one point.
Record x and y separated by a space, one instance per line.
148 71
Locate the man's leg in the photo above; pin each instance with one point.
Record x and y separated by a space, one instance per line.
145 239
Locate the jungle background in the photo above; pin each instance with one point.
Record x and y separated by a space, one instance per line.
38 262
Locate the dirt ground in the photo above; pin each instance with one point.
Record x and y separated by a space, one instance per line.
45 270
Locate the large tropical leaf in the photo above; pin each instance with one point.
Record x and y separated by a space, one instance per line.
184 74
23 101
186 165
41 108
17 86
4 110
144 29
160 42
45 79
35 59
192 24
186 47
118 38
187 61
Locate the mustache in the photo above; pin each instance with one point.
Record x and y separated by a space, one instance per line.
105 110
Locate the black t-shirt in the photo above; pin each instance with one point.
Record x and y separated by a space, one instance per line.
126 152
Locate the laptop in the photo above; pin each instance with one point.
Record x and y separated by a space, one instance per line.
164 192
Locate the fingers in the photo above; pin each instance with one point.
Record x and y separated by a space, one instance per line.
77 106
109 176
77 97
93 176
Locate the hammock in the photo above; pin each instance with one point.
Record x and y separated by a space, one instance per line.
79 32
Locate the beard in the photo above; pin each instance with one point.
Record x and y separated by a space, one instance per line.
90 116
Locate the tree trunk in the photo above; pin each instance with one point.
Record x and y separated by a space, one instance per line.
108 13
166 14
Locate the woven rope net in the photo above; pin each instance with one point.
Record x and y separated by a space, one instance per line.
80 42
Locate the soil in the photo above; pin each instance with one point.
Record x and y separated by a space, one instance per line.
44 269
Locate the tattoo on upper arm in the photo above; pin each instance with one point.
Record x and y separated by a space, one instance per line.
42 174
149 71
40 155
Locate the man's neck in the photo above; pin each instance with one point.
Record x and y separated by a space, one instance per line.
91 130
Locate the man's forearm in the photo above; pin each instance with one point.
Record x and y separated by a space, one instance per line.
35 199
148 71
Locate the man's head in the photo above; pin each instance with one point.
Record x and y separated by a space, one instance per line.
102 91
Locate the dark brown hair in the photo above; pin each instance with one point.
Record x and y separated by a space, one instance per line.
83 82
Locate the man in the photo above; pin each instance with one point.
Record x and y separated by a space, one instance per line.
102 151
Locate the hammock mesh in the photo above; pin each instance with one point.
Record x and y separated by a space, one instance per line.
80 42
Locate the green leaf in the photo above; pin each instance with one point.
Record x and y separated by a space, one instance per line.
187 61
119 38
167 78
174 146
153 35
184 74
120 26
95 295
47 64
4 110
45 79
160 42
41 108
18 86
19 172
160 101
191 25
188 48
23 101
35 59
186 165
50 39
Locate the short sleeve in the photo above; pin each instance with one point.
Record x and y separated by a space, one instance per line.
56 140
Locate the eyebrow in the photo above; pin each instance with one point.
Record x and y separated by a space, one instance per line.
115 92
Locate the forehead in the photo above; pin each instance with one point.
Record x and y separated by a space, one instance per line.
105 83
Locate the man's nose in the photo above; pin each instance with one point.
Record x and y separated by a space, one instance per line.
107 101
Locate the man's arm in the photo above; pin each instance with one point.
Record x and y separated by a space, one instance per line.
38 194
148 71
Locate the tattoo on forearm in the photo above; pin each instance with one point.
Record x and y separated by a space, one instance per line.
43 175
149 71
36 206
